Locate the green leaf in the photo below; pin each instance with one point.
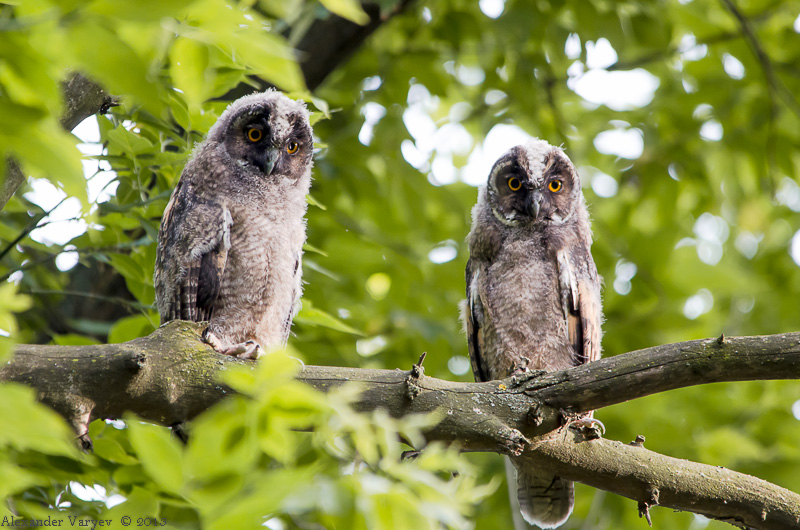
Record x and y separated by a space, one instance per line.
225 432
73 339
159 452
307 247
139 502
31 425
133 327
112 451
314 202
129 142
349 9
189 70
311 316
106 57
141 10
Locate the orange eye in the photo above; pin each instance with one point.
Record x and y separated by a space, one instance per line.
554 186
292 147
254 134
514 184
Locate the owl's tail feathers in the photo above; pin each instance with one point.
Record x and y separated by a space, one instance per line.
544 500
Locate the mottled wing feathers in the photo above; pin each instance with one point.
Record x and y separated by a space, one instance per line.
473 317
296 292
192 254
580 305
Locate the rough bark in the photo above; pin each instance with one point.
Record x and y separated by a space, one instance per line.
168 377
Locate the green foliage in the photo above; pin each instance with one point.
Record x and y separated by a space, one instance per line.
246 462
690 220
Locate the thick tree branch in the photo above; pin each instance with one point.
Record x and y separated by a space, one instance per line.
661 368
168 377
327 44
333 40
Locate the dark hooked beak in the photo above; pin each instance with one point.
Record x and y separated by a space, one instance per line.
270 157
534 203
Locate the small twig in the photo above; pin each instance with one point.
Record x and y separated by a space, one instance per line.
773 83
422 359
30 227
116 300
414 376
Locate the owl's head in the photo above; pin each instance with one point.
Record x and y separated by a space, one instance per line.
534 184
266 131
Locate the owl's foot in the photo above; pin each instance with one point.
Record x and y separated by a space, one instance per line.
525 375
519 366
244 350
520 373
591 428
86 443
180 432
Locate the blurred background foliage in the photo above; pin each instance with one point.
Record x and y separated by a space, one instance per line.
682 118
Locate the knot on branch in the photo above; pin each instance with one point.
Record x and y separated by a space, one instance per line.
644 506
534 415
107 104
135 362
638 442
523 375
512 442
417 372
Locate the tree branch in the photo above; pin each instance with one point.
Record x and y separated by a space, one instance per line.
653 370
82 98
327 44
168 377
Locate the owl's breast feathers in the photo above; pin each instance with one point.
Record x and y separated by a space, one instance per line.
531 303
231 255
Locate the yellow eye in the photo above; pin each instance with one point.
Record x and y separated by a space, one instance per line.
554 186
254 134
292 147
514 184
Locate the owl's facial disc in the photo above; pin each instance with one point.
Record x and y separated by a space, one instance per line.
260 150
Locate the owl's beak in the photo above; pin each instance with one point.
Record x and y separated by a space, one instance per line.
270 157
534 203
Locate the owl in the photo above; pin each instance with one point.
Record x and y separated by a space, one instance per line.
533 293
232 235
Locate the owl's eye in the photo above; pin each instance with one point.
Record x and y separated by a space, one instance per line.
254 134
554 186
292 147
514 184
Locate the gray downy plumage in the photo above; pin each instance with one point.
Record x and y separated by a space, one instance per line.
533 293
231 239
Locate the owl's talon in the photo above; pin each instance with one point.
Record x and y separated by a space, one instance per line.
518 378
248 350
212 340
244 350
86 443
591 428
